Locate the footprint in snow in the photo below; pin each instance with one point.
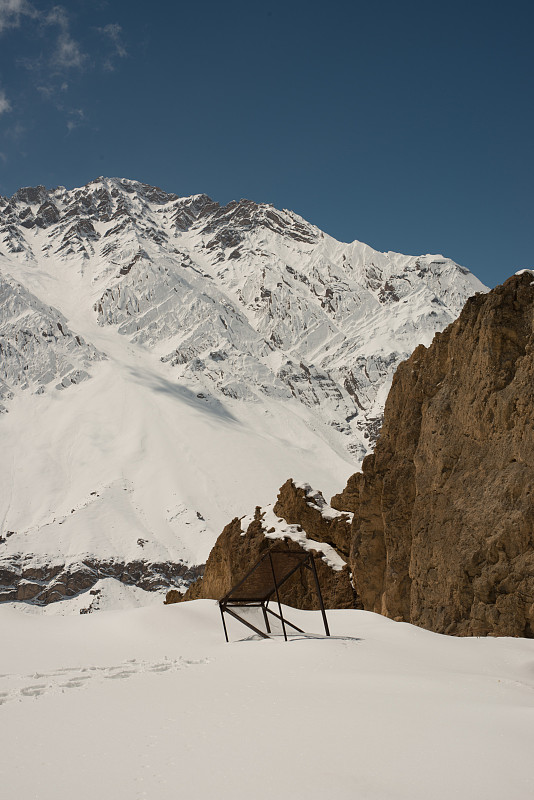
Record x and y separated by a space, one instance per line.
123 673
74 683
78 677
34 691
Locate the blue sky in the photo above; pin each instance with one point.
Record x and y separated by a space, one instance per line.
408 126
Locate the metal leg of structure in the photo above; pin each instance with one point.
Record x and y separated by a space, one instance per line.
248 624
287 622
319 595
278 597
223 622
266 618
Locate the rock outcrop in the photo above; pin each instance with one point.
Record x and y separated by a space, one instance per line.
443 530
244 540
301 505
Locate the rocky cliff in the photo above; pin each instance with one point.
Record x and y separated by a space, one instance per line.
443 530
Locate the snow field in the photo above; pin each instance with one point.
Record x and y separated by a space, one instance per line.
151 702
129 456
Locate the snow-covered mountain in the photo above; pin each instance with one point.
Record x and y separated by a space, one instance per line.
166 361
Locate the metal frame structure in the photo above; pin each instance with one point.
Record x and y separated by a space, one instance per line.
262 583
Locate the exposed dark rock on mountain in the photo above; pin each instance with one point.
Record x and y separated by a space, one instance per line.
237 550
52 582
443 532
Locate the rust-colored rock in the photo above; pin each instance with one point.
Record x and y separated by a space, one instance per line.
348 499
236 551
173 596
443 532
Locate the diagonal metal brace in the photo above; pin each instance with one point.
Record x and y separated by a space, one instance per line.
245 622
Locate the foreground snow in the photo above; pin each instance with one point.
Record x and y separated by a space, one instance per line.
151 703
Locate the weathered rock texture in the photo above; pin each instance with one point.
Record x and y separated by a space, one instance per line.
300 505
443 532
237 550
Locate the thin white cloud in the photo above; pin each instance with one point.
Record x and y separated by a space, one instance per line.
57 16
12 11
46 92
75 119
53 66
53 92
5 105
113 32
67 52
15 132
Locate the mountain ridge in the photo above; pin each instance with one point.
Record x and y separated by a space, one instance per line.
233 345
299 311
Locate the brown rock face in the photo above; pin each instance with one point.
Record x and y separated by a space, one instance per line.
300 505
443 532
236 551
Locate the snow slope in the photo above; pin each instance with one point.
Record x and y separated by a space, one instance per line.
167 363
151 702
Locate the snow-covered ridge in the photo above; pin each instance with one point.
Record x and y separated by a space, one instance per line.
243 300
229 348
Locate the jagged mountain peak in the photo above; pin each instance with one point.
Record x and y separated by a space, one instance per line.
30 195
124 193
152 194
155 212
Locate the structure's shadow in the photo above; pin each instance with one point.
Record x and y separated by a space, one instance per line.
299 637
